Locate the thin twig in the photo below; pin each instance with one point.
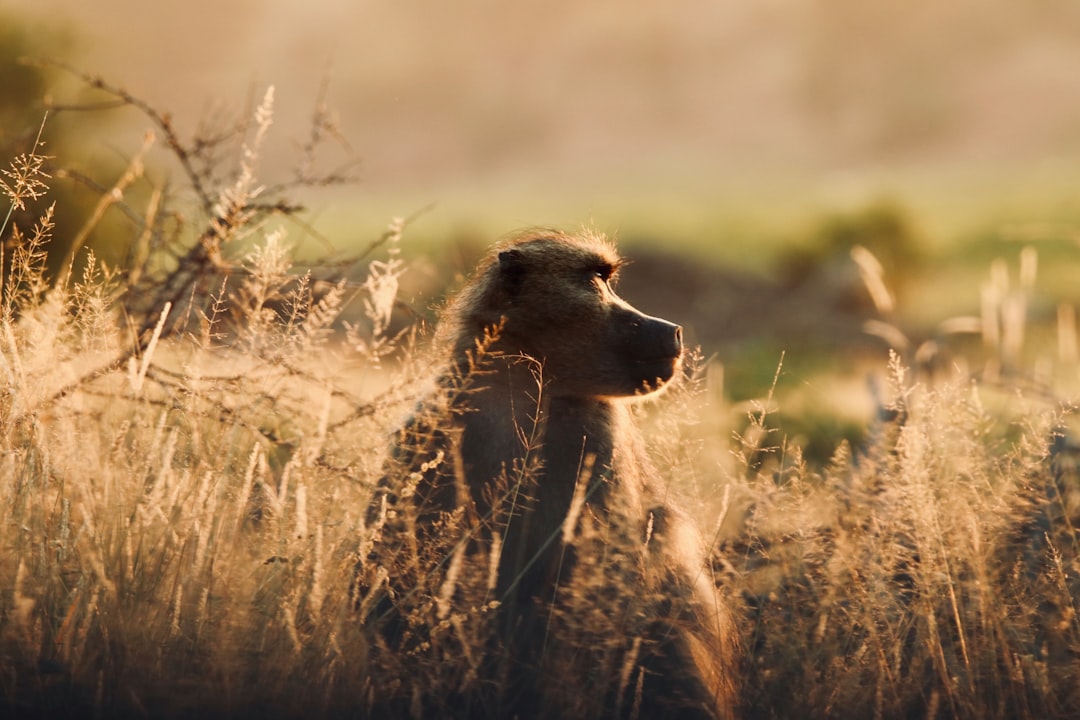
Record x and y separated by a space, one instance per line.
163 121
115 195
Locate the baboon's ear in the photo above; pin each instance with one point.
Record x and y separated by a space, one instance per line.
512 269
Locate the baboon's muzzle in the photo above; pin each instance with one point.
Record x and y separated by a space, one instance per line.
654 348
670 337
654 339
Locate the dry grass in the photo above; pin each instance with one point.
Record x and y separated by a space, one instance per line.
931 574
183 485
187 450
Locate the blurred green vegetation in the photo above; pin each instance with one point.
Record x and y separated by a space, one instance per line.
78 168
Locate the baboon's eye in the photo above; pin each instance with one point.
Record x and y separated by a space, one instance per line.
604 271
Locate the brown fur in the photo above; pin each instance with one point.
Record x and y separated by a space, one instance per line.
524 481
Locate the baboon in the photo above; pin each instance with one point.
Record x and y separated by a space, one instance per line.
520 525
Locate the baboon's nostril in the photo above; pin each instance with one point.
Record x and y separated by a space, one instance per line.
675 345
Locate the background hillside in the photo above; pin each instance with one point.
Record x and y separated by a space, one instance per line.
554 98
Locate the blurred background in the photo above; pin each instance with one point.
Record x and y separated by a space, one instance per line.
739 151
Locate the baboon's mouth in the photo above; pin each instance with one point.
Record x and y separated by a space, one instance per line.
658 361
655 372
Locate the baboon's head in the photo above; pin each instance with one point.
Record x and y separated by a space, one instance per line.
554 295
